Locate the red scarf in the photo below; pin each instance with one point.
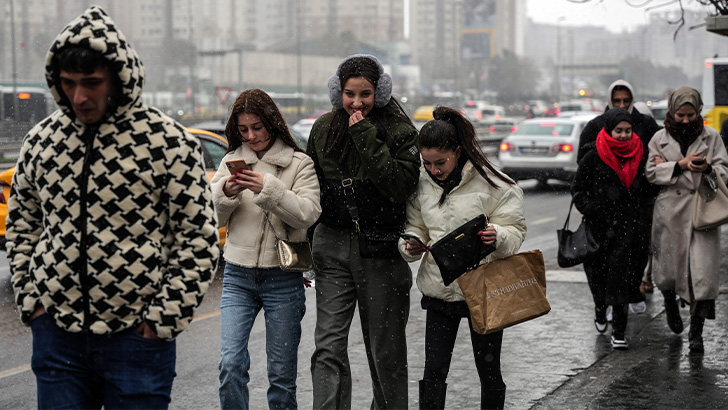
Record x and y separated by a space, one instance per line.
623 157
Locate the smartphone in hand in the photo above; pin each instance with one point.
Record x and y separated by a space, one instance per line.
236 165
413 240
698 162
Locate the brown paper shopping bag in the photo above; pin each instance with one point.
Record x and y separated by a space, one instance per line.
506 292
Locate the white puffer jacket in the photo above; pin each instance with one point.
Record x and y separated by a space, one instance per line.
472 197
291 199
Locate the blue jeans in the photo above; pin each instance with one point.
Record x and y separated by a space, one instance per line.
87 371
282 297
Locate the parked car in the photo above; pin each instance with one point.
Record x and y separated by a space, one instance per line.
423 113
214 148
543 148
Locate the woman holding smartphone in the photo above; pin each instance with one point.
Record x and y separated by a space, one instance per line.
272 192
685 260
456 184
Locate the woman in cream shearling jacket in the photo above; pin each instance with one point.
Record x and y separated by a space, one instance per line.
290 195
457 184
279 189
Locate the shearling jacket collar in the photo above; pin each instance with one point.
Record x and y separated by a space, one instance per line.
280 154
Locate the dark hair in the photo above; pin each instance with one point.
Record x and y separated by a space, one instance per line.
258 102
621 88
450 129
337 142
77 59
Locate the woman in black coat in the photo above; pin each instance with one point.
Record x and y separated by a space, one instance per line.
611 191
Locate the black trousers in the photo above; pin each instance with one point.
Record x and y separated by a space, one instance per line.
440 333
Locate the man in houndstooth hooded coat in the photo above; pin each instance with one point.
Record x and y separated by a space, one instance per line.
111 238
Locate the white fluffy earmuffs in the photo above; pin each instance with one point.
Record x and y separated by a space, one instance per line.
381 95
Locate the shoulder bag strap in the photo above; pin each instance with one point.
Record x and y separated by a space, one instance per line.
566 224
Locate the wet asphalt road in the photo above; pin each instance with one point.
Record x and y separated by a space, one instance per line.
557 361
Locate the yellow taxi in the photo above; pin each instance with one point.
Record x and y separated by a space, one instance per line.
214 148
423 113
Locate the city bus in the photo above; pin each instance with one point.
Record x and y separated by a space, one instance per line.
715 92
34 103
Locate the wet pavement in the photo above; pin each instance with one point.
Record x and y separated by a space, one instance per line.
657 372
557 361
560 361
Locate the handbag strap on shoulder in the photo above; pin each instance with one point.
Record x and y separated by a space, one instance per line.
568 216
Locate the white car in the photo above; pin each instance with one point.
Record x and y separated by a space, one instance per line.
303 128
483 114
543 148
659 111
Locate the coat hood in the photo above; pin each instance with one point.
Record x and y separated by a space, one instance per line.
94 29
610 90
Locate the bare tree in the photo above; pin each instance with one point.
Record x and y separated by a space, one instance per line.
720 7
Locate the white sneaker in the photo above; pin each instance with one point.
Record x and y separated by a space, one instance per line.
620 343
639 307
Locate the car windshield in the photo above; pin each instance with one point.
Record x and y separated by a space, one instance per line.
545 128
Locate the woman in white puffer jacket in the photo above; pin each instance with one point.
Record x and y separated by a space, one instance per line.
457 184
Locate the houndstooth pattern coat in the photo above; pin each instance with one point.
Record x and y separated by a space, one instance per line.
110 225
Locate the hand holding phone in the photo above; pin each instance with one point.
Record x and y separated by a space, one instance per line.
413 240
236 165
698 161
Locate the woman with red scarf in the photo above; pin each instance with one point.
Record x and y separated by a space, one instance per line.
611 192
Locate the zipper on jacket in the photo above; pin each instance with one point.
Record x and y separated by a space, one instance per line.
261 248
88 138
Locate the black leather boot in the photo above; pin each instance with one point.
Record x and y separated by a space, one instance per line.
432 395
492 398
672 311
695 335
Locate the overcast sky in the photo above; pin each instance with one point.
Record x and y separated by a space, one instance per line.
615 15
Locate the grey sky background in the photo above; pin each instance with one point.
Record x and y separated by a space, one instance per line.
615 15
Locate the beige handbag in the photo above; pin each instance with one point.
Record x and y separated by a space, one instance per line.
711 203
292 256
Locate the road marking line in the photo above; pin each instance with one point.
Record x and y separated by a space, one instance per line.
542 221
207 315
13 372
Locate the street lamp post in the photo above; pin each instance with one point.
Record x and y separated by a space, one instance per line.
16 114
558 57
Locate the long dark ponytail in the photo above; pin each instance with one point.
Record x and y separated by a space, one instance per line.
450 129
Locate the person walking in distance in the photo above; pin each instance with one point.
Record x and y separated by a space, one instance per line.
367 163
111 231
